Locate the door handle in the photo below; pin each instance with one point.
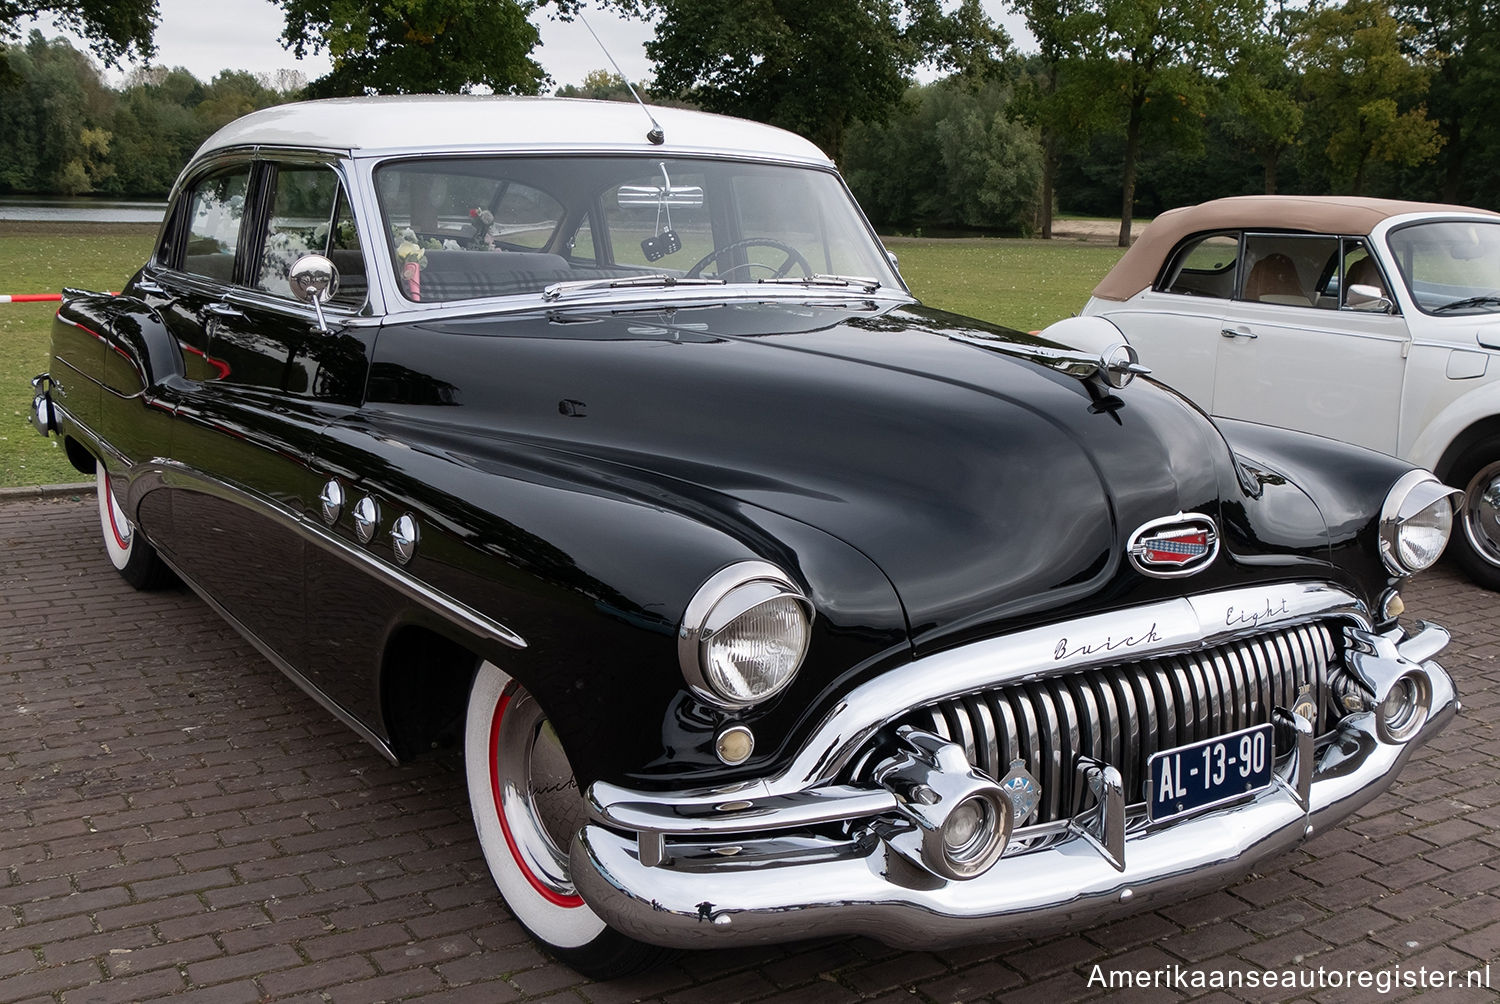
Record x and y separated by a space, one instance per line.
225 311
150 288
1233 333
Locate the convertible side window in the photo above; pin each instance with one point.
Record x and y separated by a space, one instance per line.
213 225
310 215
1361 268
1204 267
1289 269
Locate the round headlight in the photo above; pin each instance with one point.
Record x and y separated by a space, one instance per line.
1415 522
744 634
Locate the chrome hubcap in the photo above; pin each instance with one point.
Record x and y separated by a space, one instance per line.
1482 513
537 795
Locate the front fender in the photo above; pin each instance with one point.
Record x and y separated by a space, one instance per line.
592 565
1432 448
1347 484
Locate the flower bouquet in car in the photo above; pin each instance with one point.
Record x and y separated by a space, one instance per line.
413 259
484 228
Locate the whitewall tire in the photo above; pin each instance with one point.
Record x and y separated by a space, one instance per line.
527 809
134 558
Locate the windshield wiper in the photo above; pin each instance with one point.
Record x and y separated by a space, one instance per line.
655 279
865 284
1469 301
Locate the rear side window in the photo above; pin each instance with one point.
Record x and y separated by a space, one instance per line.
1204 266
215 211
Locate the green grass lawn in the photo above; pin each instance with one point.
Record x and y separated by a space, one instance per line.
1024 284
43 258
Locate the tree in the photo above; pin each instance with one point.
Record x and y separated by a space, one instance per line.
1263 111
1049 97
114 29
811 67
417 46
1463 38
950 158
57 113
1363 92
600 85
1147 59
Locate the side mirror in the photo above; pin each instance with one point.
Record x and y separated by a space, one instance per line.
1367 299
314 280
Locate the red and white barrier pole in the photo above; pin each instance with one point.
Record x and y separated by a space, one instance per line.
35 297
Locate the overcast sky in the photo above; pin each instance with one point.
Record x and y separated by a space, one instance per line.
245 35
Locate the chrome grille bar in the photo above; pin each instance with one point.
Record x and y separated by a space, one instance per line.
1122 714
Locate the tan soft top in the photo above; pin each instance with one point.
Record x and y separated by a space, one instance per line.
1334 214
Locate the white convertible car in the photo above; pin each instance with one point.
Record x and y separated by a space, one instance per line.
1370 321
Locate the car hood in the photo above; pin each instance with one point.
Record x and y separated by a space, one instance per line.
986 486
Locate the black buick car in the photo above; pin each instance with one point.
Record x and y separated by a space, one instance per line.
764 602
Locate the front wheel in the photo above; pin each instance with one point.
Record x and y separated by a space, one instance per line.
1476 540
527 808
135 559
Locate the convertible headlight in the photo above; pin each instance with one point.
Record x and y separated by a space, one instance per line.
1416 521
744 634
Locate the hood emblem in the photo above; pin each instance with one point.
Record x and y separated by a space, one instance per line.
1178 545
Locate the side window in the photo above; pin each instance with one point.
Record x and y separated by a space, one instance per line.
1204 267
213 225
524 217
1360 268
1289 269
310 215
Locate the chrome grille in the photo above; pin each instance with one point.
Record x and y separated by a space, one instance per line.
1124 713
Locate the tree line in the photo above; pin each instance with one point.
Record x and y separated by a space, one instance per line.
1125 107
69 133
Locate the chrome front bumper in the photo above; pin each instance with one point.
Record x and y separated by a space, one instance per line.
734 873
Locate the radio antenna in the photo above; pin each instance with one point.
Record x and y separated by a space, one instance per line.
656 136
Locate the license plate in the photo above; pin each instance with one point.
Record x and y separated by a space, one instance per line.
1207 773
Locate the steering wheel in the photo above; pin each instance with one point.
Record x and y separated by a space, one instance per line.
793 257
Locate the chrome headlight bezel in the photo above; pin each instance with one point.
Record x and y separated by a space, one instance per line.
1415 498
727 596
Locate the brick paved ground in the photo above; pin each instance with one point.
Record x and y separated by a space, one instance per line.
177 818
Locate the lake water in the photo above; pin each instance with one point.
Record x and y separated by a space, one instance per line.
21 207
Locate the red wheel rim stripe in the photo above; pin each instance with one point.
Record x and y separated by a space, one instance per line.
550 895
109 507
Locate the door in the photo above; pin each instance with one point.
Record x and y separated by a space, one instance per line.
1175 325
1293 354
263 380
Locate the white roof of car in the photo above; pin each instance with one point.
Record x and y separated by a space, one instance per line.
376 126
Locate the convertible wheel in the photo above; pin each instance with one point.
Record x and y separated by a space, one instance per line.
527 807
135 560
1476 545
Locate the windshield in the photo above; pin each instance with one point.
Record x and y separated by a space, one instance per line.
1452 267
467 227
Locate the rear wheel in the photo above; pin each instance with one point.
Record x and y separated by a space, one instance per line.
527 808
135 560
1476 540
